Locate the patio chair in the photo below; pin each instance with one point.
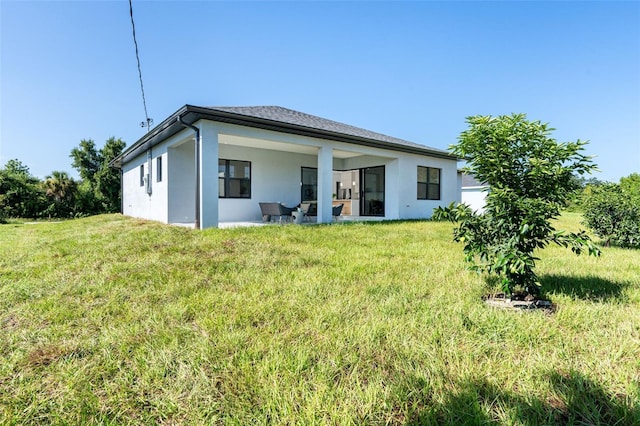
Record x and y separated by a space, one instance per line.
337 210
286 211
306 210
271 210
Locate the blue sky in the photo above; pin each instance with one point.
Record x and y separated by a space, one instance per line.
412 70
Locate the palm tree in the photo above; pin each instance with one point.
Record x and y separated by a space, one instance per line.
60 186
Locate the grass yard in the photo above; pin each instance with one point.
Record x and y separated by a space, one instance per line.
111 320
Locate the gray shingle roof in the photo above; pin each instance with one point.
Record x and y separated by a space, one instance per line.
289 116
278 119
470 181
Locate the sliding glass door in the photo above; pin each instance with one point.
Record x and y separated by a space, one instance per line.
309 186
363 186
372 191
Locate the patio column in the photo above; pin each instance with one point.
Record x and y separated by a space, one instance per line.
325 181
393 190
208 175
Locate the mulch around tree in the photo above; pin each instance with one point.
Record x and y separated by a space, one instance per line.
519 301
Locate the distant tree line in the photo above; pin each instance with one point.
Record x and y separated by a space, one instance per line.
59 195
612 210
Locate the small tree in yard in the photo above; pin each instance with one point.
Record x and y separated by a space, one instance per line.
530 176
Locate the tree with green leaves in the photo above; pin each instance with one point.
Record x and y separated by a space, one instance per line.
531 178
20 192
16 168
59 186
612 211
631 185
60 190
108 178
86 160
103 181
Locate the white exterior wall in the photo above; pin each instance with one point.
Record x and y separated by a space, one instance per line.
474 197
275 176
172 199
181 174
136 201
409 205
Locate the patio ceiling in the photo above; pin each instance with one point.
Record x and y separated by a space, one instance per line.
243 141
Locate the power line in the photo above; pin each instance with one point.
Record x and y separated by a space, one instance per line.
148 121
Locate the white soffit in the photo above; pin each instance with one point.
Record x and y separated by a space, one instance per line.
247 142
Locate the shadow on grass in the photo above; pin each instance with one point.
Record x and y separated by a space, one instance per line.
604 243
574 399
585 288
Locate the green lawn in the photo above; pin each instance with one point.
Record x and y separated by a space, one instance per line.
110 320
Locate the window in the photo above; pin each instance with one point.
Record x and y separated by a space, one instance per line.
309 184
159 169
234 179
142 175
428 183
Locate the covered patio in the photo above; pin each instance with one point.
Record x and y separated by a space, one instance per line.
211 167
273 169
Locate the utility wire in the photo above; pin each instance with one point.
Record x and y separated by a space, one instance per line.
148 122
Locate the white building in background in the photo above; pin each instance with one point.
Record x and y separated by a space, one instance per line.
210 165
473 193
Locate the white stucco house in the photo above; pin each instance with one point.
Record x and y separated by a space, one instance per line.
473 192
207 166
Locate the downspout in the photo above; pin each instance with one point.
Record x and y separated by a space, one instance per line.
121 190
149 187
197 130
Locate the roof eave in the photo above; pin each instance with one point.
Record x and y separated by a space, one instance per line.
191 114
